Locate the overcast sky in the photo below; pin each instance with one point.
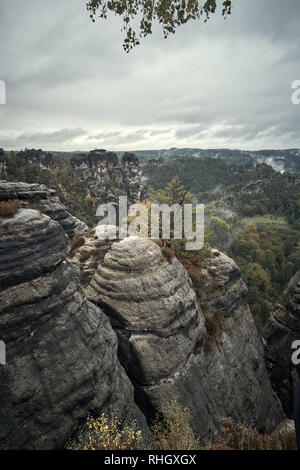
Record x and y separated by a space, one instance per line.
226 83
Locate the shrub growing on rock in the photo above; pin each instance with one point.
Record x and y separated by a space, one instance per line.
241 437
172 429
77 242
213 328
9 208
167 254
106 433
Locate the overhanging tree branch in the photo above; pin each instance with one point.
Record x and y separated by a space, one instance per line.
169 13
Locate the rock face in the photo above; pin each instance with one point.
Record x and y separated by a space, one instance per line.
155 162
221 287
106 180
153 343
39 197
132 177
38 157
88 251
61 352
254 188
2 164
281 331
162 337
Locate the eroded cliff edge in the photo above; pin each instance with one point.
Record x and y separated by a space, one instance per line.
61 352
162 337
281 331
45 200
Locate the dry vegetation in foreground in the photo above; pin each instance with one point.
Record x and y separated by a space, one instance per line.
106 433
167 254
171 430
9 208
240 437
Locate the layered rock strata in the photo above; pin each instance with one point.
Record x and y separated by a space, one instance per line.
44 160
163 337
61 352
39 197
88 250
152 307
105 179
281 331
3 164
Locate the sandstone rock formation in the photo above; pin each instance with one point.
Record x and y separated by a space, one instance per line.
132 177
37 157
221 287
61 352
105 179
281 331
154 309
162 337
254 188
155 162
286 426
39 197
88 250
2 164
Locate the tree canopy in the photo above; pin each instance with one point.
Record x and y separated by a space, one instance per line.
169 13
174 193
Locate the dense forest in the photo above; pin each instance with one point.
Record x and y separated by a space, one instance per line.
252 213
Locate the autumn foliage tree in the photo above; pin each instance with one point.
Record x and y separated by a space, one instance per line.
169 13
174 193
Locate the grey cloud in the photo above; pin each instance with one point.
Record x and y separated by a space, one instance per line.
104 135
189 131
121 138
30 139
223 83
